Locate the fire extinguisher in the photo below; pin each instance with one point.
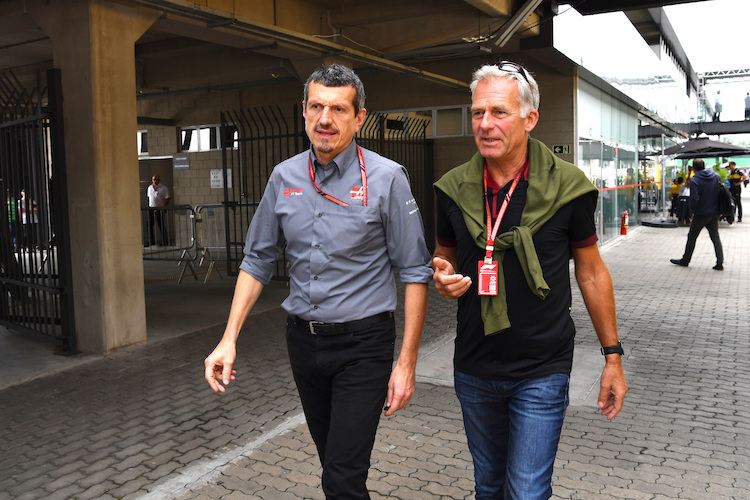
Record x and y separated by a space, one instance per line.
624 223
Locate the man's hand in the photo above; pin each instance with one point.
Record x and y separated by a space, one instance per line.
400 389
219 363
449 284
219 366
613 388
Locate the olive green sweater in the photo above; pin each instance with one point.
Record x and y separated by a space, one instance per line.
552 184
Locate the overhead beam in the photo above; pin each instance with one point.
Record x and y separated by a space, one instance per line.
293 39
493 8
165 122
589 8
727 74
694 128
515 22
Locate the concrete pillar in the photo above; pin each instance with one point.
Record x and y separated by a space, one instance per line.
94 47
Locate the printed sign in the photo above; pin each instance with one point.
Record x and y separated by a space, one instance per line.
217 178
181 162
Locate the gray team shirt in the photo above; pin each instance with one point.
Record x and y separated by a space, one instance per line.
342 257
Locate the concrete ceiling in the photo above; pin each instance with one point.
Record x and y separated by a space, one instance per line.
194 46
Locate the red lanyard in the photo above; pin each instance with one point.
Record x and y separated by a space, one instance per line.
333 198
491 235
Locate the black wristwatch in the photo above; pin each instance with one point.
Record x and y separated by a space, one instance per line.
615 349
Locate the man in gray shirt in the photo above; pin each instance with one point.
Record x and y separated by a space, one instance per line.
348 218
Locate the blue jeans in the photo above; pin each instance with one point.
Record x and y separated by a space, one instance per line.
513 428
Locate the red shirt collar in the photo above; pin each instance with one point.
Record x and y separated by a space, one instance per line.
493 185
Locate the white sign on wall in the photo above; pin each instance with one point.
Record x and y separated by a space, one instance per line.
217 178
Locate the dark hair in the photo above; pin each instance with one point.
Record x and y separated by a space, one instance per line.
336 75
699 164
680 180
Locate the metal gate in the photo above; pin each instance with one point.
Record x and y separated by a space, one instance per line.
255 140
35 278
402 139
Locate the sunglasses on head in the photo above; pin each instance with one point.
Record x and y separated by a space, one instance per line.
512 67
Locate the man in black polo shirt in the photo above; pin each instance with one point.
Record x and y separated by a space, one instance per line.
514 343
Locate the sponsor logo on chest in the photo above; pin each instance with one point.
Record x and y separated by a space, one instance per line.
358 193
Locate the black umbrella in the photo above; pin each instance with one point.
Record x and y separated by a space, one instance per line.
713 154
705 148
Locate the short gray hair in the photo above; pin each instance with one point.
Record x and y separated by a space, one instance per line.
336 75
528 90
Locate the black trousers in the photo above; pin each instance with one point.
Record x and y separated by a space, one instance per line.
157 217
696 226
673 208
342 381
737 195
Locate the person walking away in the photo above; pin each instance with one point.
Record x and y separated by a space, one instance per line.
704 204
736 178
348 218
747 106
508 222
158 196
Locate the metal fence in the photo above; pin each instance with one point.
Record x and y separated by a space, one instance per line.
211 221
255 140
170 234
402 139
35 271
193 237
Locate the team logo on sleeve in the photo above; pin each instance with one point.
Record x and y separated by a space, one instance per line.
292 192
358 193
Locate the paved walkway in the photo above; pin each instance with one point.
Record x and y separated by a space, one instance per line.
142 424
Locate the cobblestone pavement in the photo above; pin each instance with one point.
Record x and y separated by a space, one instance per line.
143 424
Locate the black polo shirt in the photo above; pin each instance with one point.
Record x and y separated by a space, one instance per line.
540 340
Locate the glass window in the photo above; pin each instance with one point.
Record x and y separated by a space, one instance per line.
231 137
206 138
449 122
395 124
186 140
142 138
442 122
421 118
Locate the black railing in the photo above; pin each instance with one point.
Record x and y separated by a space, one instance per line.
35 277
